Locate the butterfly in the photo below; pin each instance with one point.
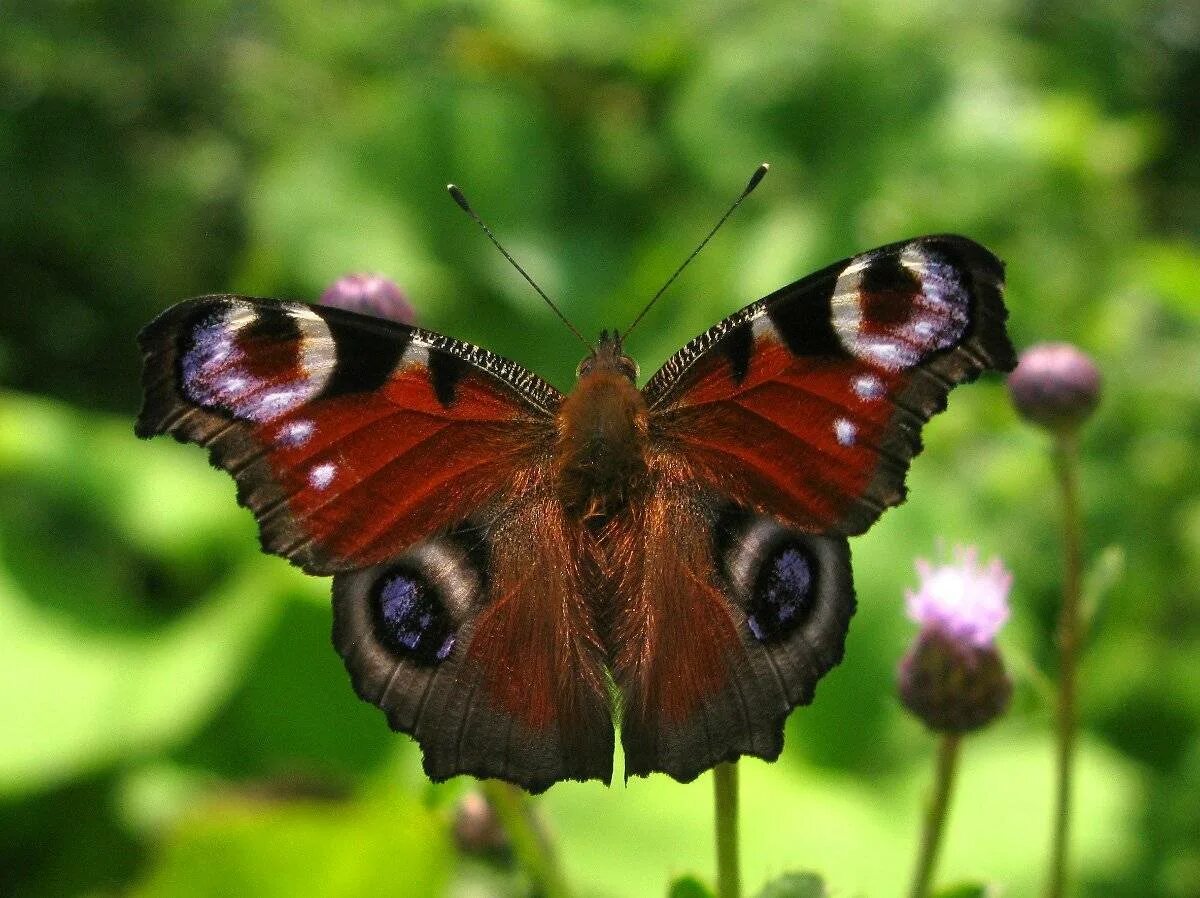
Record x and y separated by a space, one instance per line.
518 571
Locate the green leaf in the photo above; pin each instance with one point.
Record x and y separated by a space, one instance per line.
385 845
689 887
967 890
100 660
1104 573
93 700
795 885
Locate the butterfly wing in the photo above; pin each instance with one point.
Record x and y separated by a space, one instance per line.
777 433
481 644
410 466
809 403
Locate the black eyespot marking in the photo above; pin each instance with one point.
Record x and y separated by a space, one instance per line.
377 347
806 327
783 593
410 619
445 371
886 273
737 347
271 323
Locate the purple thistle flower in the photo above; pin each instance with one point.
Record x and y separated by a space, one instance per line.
953 677
965 600
370 294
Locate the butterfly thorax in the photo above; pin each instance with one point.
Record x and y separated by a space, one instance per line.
600 455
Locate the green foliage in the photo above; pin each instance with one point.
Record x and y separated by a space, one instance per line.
240 846
158 676
97 670
967 890
689 887
795 885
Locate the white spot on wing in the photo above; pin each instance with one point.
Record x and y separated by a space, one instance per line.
846 431
322 475
297 433
868 386
762 326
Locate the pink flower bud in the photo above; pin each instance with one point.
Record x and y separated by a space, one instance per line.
370 294
1055 385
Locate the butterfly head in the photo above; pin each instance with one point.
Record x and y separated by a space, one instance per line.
608 356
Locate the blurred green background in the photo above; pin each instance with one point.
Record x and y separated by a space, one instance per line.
173 720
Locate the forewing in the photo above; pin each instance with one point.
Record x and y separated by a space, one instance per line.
808 405
351 438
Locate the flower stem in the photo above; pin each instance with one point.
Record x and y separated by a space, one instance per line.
533 851
1066 456
935 814
725 796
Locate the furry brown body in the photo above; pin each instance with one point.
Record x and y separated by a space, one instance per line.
603 428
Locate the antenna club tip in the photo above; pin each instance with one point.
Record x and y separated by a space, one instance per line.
759 174
457 195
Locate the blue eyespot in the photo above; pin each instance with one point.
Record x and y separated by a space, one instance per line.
783 595
411 620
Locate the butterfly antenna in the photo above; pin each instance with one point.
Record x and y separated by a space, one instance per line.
759 174
461 199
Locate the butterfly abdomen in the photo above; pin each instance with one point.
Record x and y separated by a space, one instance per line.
600 456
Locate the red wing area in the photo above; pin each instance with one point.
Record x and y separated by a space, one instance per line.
808 405
793 438
480 643
388 468
708 657
350 438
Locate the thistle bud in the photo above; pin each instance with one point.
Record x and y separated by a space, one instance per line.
478 831
1055 385
953 677
370 294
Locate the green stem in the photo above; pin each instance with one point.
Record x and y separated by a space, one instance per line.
935 814
532 849
725 798
1066 456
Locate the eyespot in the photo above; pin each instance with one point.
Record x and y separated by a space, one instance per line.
784 580
257 363
893 312
783 594
410 618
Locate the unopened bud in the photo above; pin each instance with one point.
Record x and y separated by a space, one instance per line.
953 686
478 831
370 294
1055 385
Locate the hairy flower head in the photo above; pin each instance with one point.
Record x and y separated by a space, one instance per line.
953 676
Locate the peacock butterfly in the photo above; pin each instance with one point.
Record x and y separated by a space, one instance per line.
515 569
